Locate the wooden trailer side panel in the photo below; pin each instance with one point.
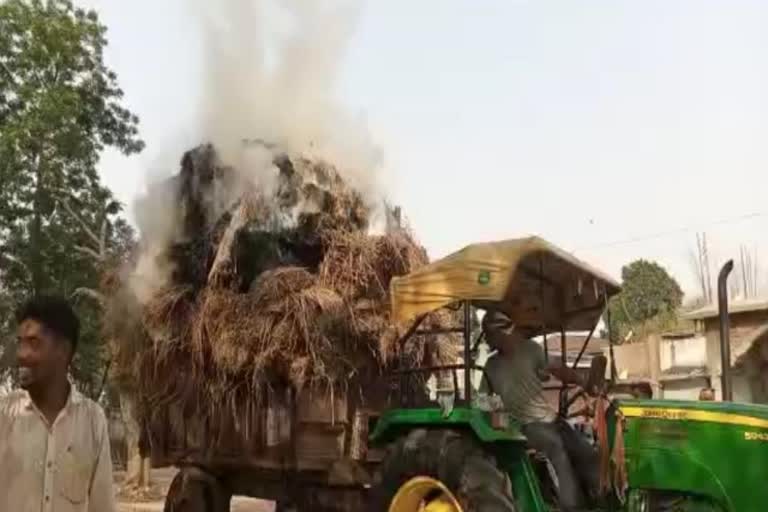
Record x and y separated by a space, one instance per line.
311 432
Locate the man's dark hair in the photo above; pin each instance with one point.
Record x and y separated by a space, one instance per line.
55 313
495 318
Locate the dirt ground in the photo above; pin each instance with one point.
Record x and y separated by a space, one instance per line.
162 478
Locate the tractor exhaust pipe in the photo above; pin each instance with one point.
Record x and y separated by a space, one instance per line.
725 341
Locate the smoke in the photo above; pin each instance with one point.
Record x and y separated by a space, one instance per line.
269 73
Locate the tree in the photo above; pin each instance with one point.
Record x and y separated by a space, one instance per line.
60 229
111 258
6 314
649 300
59 108
749 270
745 283
701 266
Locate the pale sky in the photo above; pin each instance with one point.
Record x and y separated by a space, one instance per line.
585 122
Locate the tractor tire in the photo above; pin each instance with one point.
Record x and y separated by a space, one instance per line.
194 490
455 460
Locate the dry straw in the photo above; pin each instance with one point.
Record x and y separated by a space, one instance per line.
318 319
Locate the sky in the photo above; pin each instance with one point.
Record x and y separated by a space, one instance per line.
615 129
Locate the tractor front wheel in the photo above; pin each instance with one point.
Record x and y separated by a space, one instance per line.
440 471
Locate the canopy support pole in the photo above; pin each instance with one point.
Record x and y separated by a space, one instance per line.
584 347
467 352
610 337
563 364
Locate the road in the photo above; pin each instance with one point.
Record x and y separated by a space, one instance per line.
163 478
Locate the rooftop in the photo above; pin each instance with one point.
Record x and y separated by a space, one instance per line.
735 307
678 334
574 342
741 347
683 373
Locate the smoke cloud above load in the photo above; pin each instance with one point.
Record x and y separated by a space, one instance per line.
270 72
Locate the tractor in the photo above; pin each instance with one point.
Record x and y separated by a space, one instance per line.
457 450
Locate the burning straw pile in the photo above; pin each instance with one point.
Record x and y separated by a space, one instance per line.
269 289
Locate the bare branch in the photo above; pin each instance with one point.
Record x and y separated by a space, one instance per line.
8 72
694 258
103 237
17 261
742 257
79 219
699 260
90 293
7 355
89 252
706 267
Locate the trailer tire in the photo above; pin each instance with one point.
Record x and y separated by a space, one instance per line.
195 490
454 459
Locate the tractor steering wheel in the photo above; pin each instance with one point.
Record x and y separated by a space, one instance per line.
594 387
569 399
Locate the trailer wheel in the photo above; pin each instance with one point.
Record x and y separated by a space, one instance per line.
195 490
440 470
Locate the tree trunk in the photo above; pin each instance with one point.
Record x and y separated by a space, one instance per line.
137 467
35 234
7 355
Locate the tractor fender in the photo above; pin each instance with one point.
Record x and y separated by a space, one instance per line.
392 423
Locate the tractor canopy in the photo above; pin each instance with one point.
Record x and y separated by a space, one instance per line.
532 281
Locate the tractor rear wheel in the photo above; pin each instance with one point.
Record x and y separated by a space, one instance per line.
440 470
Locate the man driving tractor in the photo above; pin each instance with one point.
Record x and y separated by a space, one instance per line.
517 372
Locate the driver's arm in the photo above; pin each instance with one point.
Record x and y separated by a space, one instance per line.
565 374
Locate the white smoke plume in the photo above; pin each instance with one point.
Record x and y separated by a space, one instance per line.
269 73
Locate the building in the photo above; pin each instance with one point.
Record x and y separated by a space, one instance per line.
574 343
683 365
749 347
680 364
637 366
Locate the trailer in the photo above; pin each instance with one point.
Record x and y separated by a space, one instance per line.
304 451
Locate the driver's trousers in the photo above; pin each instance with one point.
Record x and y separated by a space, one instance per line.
574 459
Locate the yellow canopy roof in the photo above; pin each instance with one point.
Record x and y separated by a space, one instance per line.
531 280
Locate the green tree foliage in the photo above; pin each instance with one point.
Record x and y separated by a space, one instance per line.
649 300
60 106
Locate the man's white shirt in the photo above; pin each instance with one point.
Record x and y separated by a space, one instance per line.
64 467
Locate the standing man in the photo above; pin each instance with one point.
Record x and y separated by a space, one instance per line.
517 372
54 444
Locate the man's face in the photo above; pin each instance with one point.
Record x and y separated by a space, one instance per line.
501 333
40 356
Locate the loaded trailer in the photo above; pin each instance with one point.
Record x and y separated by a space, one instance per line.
402 449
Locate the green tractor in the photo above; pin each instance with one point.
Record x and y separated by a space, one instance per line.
459 451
